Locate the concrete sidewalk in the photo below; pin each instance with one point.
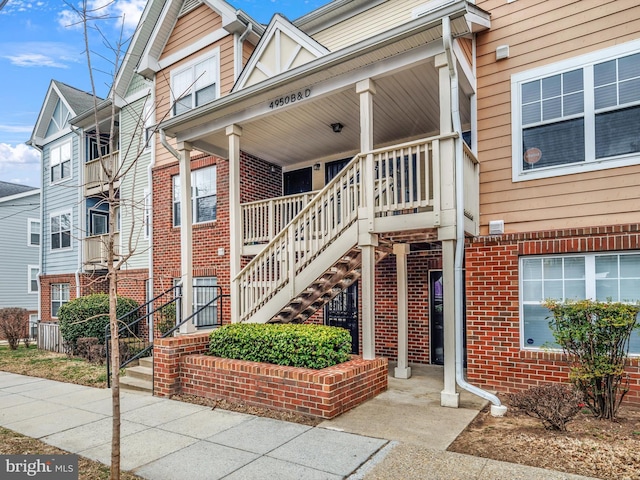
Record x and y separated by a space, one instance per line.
401 434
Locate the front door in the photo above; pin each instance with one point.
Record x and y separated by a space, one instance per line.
436 319
342 311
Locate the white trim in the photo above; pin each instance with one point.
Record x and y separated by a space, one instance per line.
193 197
30 222
193 48
430 7
58 214
11 198
30 279
60 300
585 62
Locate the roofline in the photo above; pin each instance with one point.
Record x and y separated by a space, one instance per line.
17 196
458 7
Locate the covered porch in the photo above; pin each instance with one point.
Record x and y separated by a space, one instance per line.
393 110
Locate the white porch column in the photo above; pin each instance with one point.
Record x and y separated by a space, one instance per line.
367 240
186 235
449 397
403 370
235 221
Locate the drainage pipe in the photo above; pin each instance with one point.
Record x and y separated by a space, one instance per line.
497 409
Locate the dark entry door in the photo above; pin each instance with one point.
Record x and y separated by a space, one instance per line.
436 316
342 311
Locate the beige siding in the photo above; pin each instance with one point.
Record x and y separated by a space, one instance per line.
192 27
538 33
367 24
467 49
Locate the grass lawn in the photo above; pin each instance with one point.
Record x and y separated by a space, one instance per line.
53 366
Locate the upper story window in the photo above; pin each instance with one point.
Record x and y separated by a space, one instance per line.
579 115
60 161
61 231
33 232
97 146
195 84
203 196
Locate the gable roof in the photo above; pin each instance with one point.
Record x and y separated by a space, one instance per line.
8 189
233 21
282 47
76 101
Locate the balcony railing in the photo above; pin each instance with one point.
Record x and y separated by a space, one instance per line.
96 251
95 178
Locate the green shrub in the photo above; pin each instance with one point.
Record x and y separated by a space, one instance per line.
595 338
165 318
88 316
308 346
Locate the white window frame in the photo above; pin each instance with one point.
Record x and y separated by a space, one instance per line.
194 197
191 65
590 286
58 146
61 249
585 62
31 231
30 278
59 288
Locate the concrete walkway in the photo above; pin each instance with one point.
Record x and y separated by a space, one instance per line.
401 434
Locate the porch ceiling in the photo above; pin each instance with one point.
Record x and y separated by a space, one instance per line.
406 106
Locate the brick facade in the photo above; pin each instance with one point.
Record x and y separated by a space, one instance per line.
495 357
181 368
259 180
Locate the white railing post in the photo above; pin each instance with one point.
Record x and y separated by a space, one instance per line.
271 219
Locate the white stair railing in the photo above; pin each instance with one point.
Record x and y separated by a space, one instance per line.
406 181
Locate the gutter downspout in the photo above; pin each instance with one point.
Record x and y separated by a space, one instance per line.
497 409
149 204
41 218
82 202
239 50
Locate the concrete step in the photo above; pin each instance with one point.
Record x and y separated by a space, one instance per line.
136 384
143 373
146 362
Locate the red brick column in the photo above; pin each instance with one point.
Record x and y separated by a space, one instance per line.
167 358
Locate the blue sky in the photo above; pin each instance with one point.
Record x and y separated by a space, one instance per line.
39 42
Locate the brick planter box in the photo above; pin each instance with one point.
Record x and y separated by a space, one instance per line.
180 367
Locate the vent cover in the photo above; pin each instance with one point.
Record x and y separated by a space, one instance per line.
496 227
189 5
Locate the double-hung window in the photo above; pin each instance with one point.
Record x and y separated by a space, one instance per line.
33 233
61 231
60 161
204 197
579 115
195 84
59 296
33 272
597 276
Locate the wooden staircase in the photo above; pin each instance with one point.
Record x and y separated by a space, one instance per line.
139 378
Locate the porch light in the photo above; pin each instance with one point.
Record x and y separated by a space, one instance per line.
337 127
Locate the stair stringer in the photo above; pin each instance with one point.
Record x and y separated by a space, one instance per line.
337 249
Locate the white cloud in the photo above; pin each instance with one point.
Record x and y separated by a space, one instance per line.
119 11
19 164
40 54
16 128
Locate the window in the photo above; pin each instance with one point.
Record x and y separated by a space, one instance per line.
60 160
97 146
33 232
33 272
61 231
578 115
203 293
195 85
574 277
33 325
59 296
98 222
203 196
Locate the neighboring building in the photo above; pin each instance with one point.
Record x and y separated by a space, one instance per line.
20 247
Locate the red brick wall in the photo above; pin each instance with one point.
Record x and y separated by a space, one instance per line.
418 266
322 393
257 182
495 357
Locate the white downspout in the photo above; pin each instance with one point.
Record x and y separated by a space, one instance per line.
497 409
82 206
152 163
239 50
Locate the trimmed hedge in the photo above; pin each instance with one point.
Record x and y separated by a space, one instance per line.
308 346
73 316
